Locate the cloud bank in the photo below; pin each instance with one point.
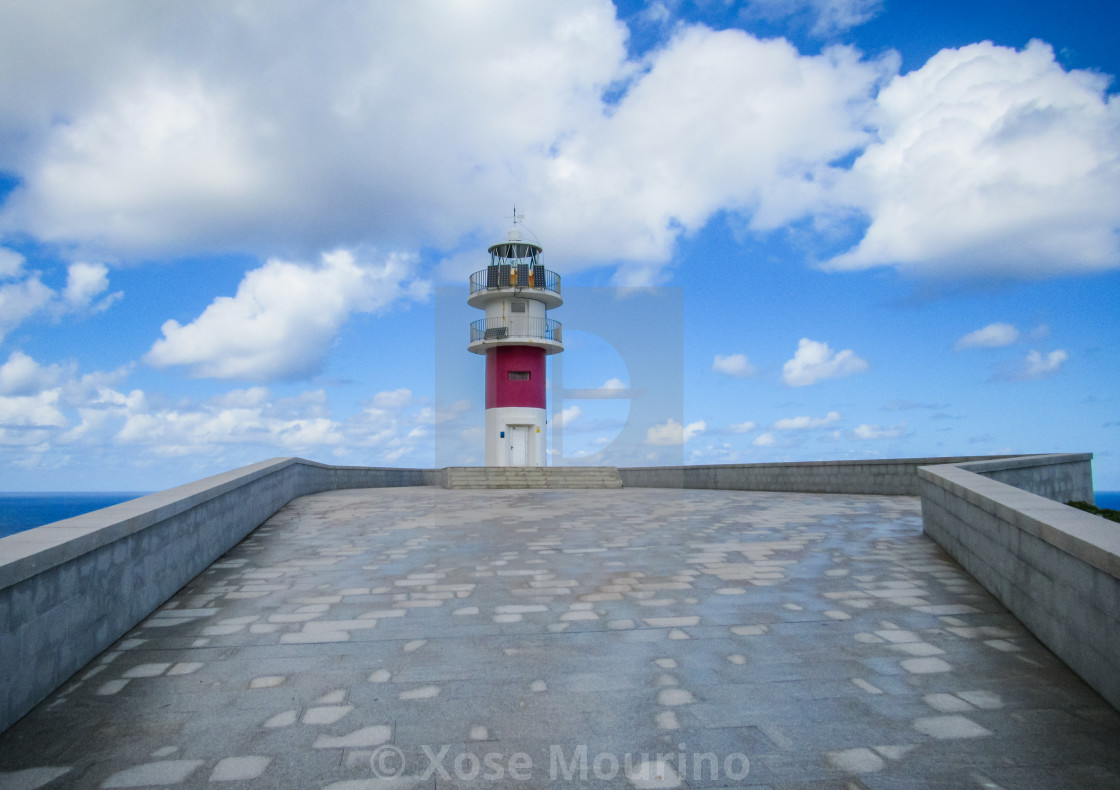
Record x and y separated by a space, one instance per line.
135 134
52 407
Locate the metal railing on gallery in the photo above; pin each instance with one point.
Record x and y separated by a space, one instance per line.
504 328
532 277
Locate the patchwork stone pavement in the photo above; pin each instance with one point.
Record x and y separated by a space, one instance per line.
636 638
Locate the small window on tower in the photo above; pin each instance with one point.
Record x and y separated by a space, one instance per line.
519 375
517 307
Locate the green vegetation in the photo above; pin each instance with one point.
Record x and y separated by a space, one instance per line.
1109 513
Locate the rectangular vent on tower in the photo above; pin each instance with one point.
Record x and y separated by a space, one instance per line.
517 307
519 375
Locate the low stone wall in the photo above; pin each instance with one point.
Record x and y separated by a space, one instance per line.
892 477
1064 477
1057 569
70 589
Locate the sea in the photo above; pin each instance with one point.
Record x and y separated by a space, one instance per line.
22 511
1107 499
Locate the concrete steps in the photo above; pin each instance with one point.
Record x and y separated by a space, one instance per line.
532 477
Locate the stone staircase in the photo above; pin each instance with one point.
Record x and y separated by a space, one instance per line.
532 477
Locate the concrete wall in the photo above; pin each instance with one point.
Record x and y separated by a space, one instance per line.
1063 477
1055 568
894 477
70 589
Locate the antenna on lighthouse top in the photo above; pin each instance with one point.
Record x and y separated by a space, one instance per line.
514 234
515 246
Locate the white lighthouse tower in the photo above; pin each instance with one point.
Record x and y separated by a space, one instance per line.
516 335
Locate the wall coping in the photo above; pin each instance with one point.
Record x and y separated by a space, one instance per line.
1087 537
33 551
1080 534
533 469
841 462
998 464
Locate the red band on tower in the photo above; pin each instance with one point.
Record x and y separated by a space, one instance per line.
502 390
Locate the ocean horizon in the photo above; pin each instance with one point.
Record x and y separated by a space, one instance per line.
24 510
21 511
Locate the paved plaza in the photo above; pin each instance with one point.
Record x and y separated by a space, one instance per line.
617 638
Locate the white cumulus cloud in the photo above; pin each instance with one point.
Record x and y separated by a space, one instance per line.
179 129
991 336
1038 365
991 161
866 431
709 98
195 428
283 317
22 299
32 411
84 283
168 132
805 423
53 411
742 427
734 365
815 361
144 131
22 375
566 416
672 432
26 295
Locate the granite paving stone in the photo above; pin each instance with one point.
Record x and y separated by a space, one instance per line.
559 638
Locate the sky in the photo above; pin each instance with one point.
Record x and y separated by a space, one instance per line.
787 230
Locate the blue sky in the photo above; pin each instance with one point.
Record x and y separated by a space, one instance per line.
787 230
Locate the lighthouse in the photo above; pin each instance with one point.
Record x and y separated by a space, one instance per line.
516 291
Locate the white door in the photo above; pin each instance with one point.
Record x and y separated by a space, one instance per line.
519 318
518 445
